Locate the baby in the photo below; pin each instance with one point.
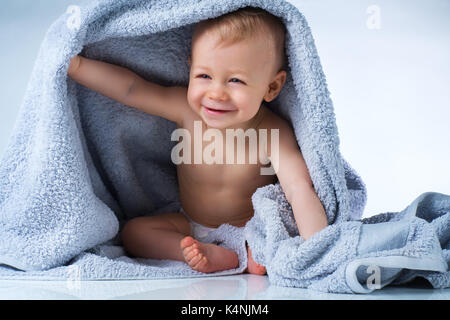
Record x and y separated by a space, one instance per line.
236 63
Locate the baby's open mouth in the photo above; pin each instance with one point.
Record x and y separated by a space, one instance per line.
216 111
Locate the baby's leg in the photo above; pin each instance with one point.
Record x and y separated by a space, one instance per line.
208 257
166 236
156 237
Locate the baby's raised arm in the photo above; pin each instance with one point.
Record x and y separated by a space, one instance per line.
108 79
129 89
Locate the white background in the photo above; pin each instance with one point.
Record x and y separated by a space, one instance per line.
390 86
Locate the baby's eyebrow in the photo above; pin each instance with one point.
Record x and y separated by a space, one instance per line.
239 71
231 71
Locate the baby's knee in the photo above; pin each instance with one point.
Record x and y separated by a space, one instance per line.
131 230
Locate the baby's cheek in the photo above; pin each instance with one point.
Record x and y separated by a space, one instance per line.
192 93
248 107
193 99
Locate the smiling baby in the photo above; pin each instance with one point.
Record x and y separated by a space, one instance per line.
236 65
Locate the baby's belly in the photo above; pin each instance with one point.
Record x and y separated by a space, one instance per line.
223 199
211 207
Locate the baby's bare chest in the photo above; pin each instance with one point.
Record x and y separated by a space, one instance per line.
236 162
227 158
223 176
230 150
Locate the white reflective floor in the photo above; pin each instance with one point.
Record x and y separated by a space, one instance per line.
237 287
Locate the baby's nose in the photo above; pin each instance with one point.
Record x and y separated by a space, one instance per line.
217 93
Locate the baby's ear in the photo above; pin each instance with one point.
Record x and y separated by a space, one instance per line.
275 86
189 60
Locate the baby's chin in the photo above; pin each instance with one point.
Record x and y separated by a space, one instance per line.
216 124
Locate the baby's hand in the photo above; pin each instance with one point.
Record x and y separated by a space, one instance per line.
74 64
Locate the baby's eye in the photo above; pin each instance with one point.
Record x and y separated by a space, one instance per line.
203 76
237 81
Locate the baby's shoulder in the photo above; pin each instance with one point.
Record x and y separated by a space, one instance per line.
272 120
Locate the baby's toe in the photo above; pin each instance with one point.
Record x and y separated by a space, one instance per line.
259 269
195 259
187 242
201 264
191 255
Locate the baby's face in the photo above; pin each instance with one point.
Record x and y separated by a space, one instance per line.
233 79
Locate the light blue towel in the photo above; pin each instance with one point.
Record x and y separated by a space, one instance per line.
353 256
79 165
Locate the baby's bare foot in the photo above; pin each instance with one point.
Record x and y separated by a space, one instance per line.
207 257
252 266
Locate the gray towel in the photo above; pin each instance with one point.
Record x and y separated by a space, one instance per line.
79 165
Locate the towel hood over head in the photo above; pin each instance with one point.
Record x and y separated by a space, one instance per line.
79 164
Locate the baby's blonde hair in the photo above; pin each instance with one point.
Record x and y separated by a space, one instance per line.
247 23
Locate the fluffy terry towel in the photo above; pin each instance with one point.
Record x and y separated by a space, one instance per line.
78 165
